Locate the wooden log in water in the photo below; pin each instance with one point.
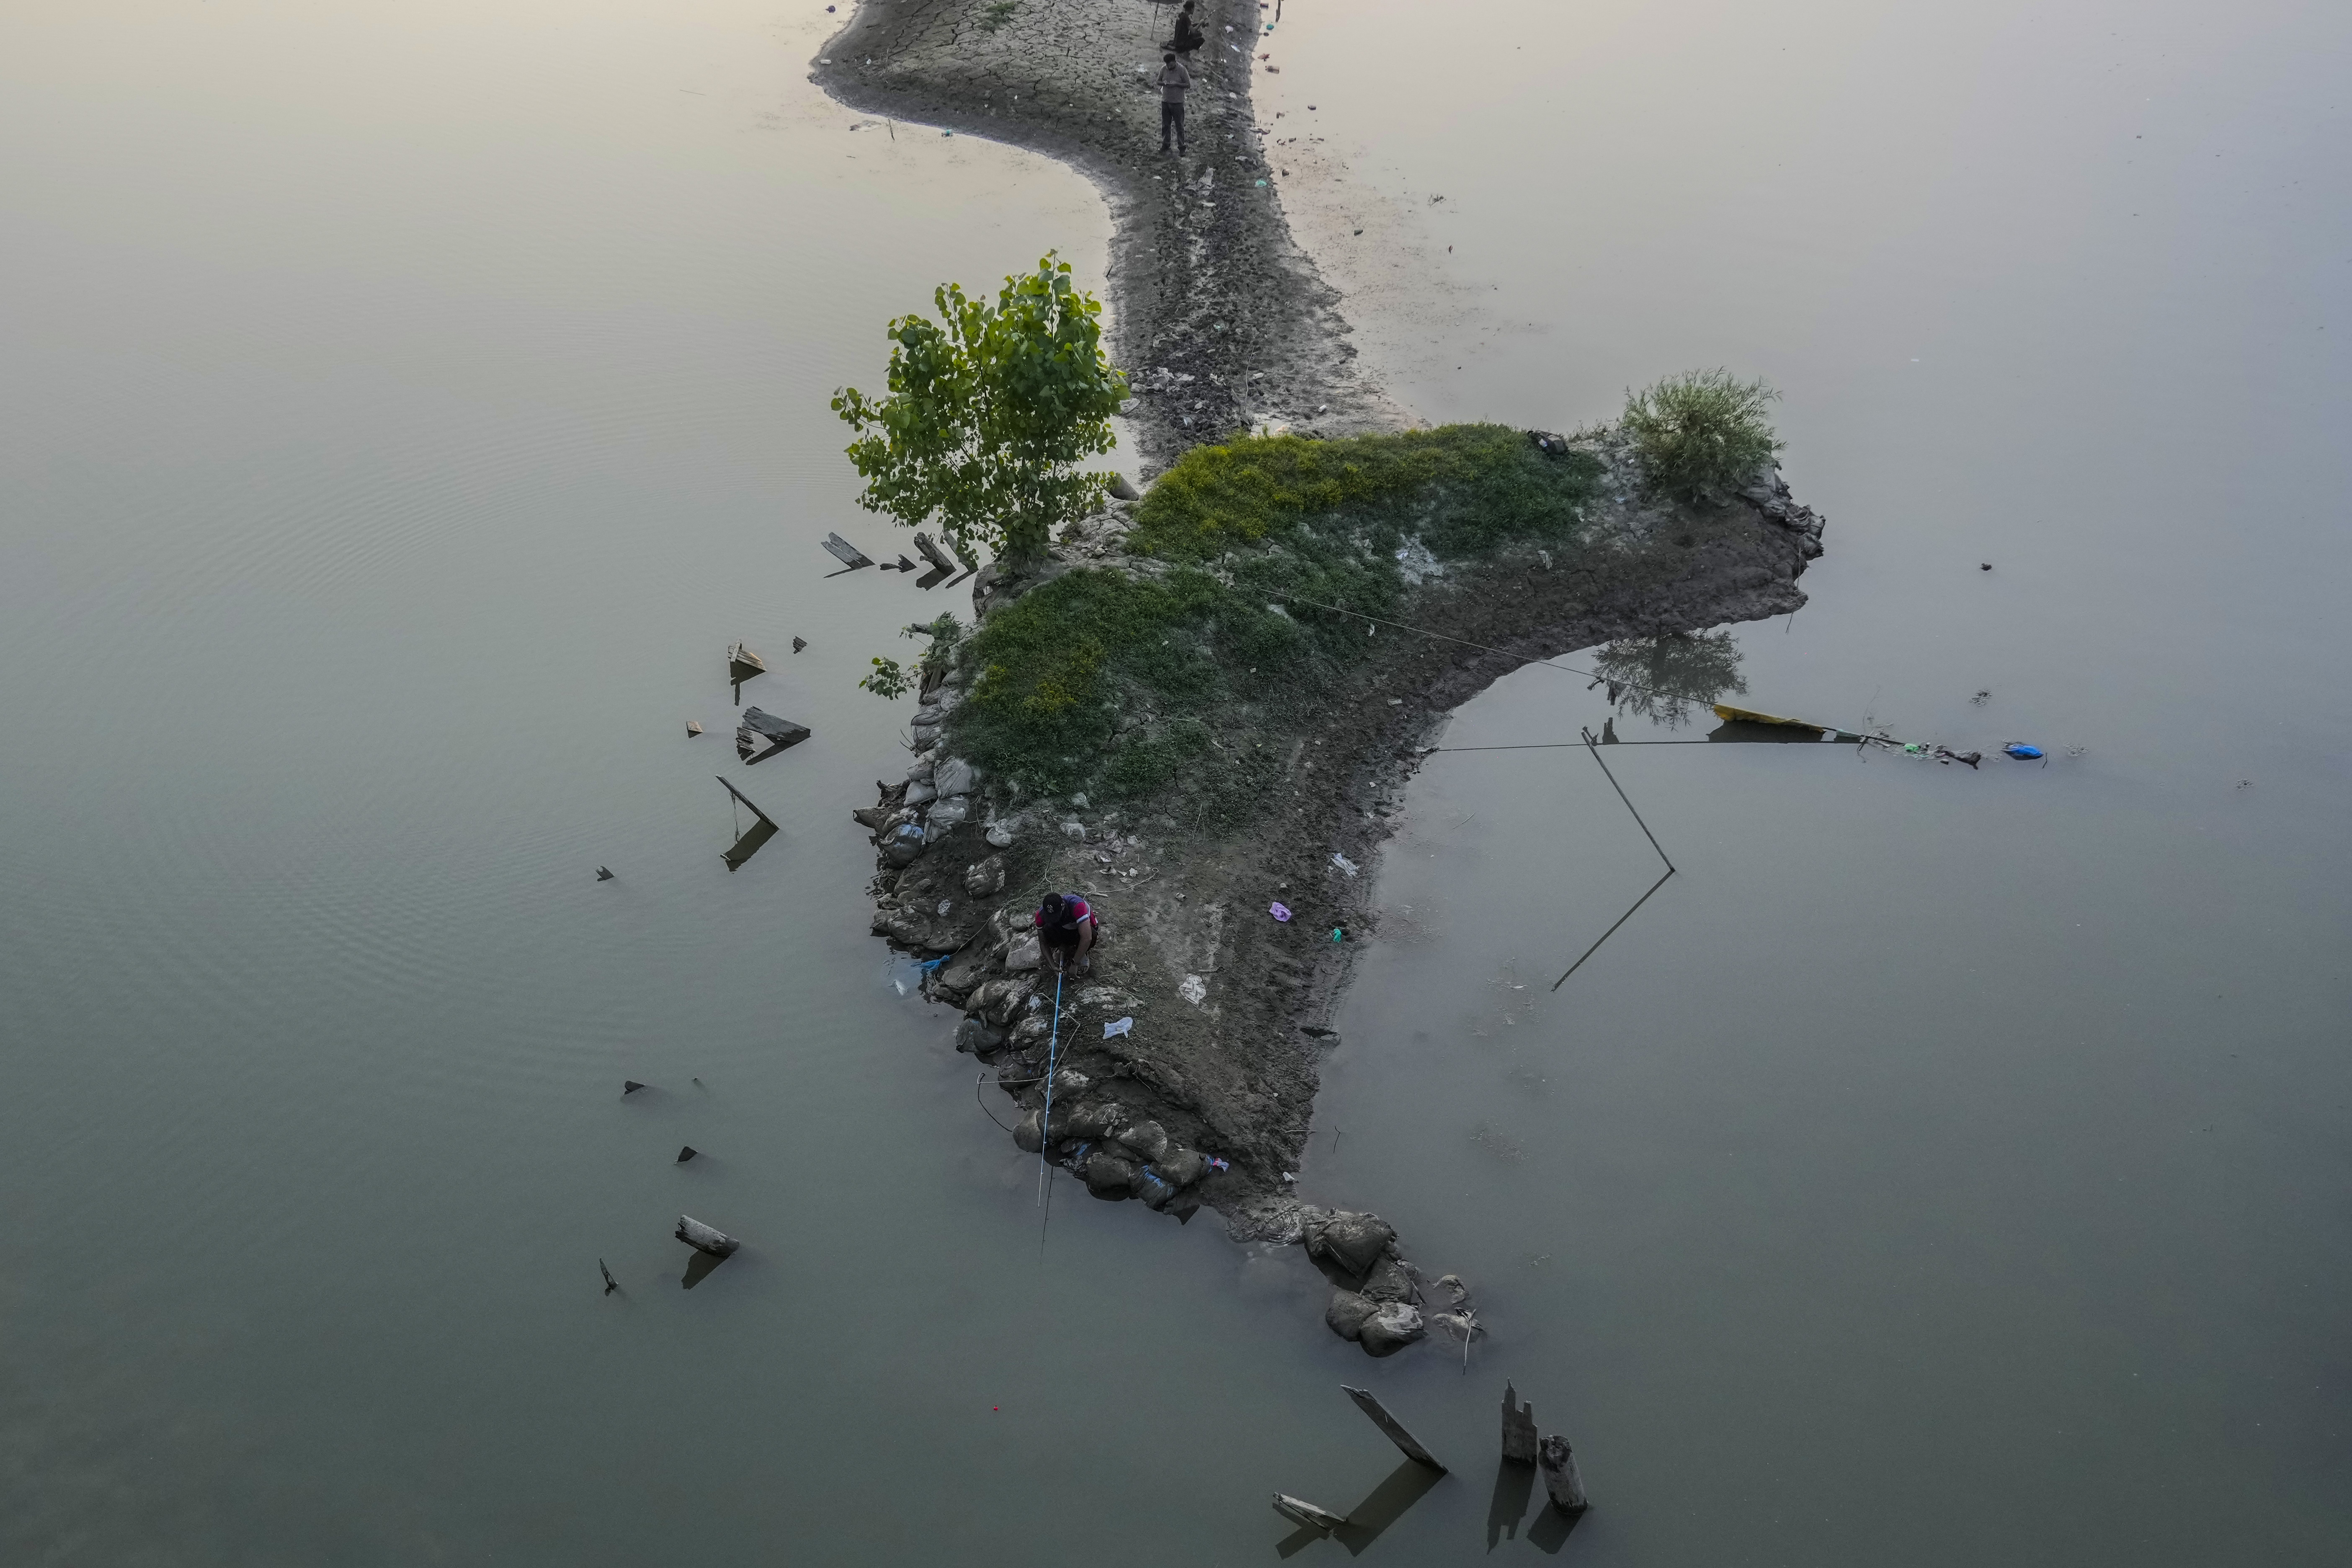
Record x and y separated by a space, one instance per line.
1558 1462
1299 1511
1518 1428
706 1238
1393 1429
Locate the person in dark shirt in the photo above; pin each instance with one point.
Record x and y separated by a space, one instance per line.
1189 36
1066 933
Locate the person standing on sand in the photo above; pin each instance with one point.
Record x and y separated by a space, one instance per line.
1174 81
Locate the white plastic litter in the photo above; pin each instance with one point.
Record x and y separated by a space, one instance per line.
1194 990
1119 1027
1345 865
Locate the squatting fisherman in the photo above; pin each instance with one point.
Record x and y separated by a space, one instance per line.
1066 933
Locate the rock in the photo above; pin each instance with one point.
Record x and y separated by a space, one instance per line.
1108 999
1028 1133
953 776
919 792
1078 803
1389 1282
1393 1326
1346 1313
974 1037
984 878
949 813
1098 1119
1183 1166
1148 1139
1109 1174
902 844
1353 1241
1156 1190
1457 1293
629 1086
999 1000
960 976
685 1154
1032 1030
1122 490
1025 953
1075 830
999 835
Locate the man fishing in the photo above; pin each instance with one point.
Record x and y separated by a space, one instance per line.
1066 933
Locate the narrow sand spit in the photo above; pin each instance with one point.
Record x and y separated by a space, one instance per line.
1224 323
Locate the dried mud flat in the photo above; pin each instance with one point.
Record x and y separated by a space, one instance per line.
1206 1099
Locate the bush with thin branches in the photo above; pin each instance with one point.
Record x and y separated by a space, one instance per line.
1702 436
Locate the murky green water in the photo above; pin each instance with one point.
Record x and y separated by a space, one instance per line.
407 405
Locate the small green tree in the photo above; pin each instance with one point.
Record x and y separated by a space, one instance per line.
1703 435
991 410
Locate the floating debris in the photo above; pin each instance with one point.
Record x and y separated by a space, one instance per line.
629 1086
743 664
759 833
693 728
706 1238
686 1153
798 642
928 548
1299 1511
848 554
2022 751
757 727
603 873
611 1284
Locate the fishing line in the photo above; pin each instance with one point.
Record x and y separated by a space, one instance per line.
1045 1123
1707 702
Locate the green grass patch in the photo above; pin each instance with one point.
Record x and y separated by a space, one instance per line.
1185 686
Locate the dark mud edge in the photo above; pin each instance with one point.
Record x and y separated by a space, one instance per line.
1208 1099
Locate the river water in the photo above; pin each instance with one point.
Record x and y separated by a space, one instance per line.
406 405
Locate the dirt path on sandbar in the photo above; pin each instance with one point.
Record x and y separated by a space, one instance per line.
1221 321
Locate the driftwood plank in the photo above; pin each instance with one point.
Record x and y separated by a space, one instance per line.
1393 1428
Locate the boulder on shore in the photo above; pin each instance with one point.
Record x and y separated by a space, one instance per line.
1346 1314
1392 1326
1352 1241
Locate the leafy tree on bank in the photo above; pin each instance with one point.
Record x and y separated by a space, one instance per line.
991 410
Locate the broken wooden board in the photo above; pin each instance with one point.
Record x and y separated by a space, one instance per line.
759 728
1299 1511
1392 1427
926 547
743 664
848 554
706 1238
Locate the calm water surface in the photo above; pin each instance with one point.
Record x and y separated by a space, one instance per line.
407 405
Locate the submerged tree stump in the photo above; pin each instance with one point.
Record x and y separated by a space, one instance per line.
1558 1462
1518 1428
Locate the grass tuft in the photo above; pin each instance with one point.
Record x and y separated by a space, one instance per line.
1132 686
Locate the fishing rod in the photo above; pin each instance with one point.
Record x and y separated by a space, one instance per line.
1046 1124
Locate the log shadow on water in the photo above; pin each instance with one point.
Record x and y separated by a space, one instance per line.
1550 1529
697 1270
1404 1486
1515 1482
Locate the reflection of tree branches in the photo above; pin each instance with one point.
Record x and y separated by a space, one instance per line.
1658 678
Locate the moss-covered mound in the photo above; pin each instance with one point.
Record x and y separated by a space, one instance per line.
1123 683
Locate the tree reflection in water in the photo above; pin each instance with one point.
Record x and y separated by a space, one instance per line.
1661 679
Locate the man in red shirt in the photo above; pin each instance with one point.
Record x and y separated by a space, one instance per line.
1065 932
